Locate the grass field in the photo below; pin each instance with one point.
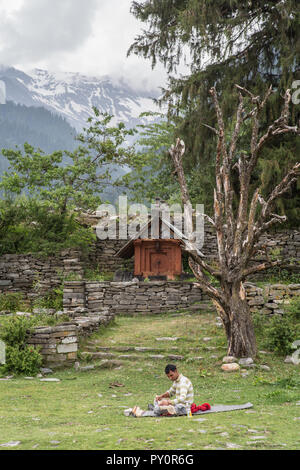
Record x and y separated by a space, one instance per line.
84 411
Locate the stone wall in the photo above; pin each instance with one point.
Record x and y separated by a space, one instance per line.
270 299
59 344
130 297
22 272
288 241
35 275
102 255
162 296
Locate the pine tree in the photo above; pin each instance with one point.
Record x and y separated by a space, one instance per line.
253 43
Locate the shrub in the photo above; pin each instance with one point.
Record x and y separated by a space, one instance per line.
26 360
20 357
278 332
52 299
11 301
96 275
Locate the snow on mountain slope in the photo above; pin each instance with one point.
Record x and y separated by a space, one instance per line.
73 95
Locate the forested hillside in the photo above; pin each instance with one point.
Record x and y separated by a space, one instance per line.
37 126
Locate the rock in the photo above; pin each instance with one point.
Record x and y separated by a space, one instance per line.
289 360
46 311
206 339
245 374
246 361
11 444
50 380
109 364
263 367
197 358
67 348
167 338
232 367
46 371
84 368
229 359
39 376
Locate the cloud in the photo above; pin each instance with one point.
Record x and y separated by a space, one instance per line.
90 37
41 29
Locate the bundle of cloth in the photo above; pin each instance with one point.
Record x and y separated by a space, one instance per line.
203 407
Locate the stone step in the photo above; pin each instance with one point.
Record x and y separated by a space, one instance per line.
132 357
125 349
114 351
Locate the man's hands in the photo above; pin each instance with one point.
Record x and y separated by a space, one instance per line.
165 403
163 399
159 397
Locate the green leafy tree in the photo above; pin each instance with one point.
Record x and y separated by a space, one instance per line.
65 179
42 190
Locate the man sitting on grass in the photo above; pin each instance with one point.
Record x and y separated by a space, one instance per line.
182 388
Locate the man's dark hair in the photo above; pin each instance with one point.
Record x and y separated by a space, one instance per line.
170 367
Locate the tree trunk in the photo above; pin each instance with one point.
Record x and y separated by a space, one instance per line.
238 323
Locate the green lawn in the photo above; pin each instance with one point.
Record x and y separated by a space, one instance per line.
71 414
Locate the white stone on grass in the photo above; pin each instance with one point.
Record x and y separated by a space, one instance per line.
50 380
11 444
264 367
232 445
167 338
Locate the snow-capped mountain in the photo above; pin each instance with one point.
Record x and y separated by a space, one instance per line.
73 95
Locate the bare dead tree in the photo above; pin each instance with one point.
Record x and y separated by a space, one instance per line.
238 230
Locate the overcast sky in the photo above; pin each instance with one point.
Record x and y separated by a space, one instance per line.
86 36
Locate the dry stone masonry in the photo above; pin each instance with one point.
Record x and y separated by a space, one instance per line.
271 298
59 344
34 275
130 297
162 296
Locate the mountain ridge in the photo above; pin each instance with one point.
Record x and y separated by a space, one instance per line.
73 95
